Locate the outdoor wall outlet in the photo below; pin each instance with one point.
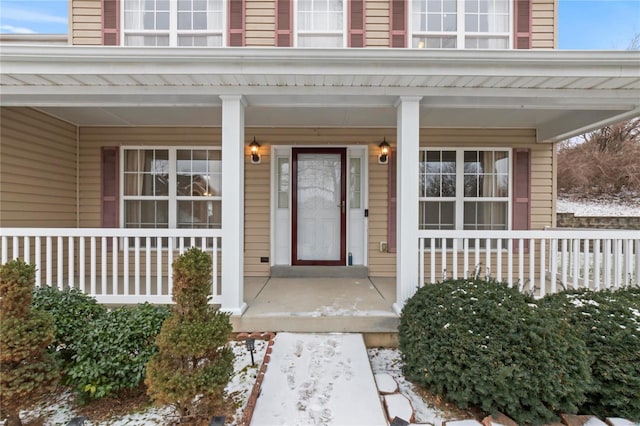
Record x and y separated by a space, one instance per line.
383 246
264 259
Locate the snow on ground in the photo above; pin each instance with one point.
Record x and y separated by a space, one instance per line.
318 379
59 410
599 207
390 361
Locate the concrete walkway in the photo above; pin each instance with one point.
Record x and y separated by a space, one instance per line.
318 379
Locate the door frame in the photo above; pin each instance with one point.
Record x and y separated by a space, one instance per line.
294 205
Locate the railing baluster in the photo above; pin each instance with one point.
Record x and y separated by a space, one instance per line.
169 262
60 263
564 263
520 264
476 256
543 272
136 265
181 240
637 280
510 262
607 263
5 249
16 247
103 265
454 259
554 264
487 256
125 267
215 291
38 243
616 261
114 266
576 262
627 262
596 264
432 252
49 261
82 265
499 260
420 262
26 247
587 262
159 265
532 265
147 251
465 245
444 258
72 262
93 265
193 242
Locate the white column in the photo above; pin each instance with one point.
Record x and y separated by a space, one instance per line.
408 150
233 204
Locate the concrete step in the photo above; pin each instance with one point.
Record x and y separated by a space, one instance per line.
319 271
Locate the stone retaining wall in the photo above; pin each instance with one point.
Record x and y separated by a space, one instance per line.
570 220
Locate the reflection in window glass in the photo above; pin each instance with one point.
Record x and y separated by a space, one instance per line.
283 182
355 184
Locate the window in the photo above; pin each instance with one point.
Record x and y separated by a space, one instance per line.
173 22
355 183
464 189
283 182
320 23
464 24
172 188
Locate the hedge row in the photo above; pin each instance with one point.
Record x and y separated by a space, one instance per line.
481 343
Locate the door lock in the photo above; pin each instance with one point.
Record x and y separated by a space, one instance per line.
341 205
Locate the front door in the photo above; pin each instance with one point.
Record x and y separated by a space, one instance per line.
318 206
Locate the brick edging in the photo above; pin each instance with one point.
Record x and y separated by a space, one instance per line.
255 391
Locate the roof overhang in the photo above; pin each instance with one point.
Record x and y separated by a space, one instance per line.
559 93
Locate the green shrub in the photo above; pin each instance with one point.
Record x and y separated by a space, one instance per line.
193 358
112 352
73 314
609 323
480 343
27 370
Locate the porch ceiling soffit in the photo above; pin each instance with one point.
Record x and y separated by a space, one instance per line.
554 87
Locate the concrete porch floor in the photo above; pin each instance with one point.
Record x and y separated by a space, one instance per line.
362 305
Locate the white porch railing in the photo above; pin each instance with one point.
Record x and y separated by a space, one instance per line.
539 262
116 266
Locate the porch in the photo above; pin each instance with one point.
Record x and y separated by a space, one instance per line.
125 266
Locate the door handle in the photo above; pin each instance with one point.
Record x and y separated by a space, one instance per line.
341 205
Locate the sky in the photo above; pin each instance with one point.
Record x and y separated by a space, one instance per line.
583 24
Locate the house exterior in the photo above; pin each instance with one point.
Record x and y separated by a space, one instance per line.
412 138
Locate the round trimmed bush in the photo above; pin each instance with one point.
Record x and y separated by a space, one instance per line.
481 343
609 324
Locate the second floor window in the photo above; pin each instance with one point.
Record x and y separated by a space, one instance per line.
461 24
320 23
173 22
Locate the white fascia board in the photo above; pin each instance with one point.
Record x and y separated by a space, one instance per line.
283 61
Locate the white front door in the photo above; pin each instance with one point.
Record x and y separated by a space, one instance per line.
319 206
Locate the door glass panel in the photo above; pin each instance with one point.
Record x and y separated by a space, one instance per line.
319 209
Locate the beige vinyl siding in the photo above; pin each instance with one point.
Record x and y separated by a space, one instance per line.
86 22
260 22
544 22
377 23
37 170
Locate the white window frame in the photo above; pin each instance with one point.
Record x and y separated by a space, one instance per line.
172 198
460 34
460 198
173 31
344 34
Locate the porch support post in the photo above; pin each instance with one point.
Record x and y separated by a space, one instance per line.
233 204
408 149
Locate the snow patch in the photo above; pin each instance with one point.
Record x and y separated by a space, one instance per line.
610 207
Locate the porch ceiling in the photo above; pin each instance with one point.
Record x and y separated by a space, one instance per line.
559 93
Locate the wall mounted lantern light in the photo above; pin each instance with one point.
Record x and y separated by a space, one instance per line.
255 155
383 158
